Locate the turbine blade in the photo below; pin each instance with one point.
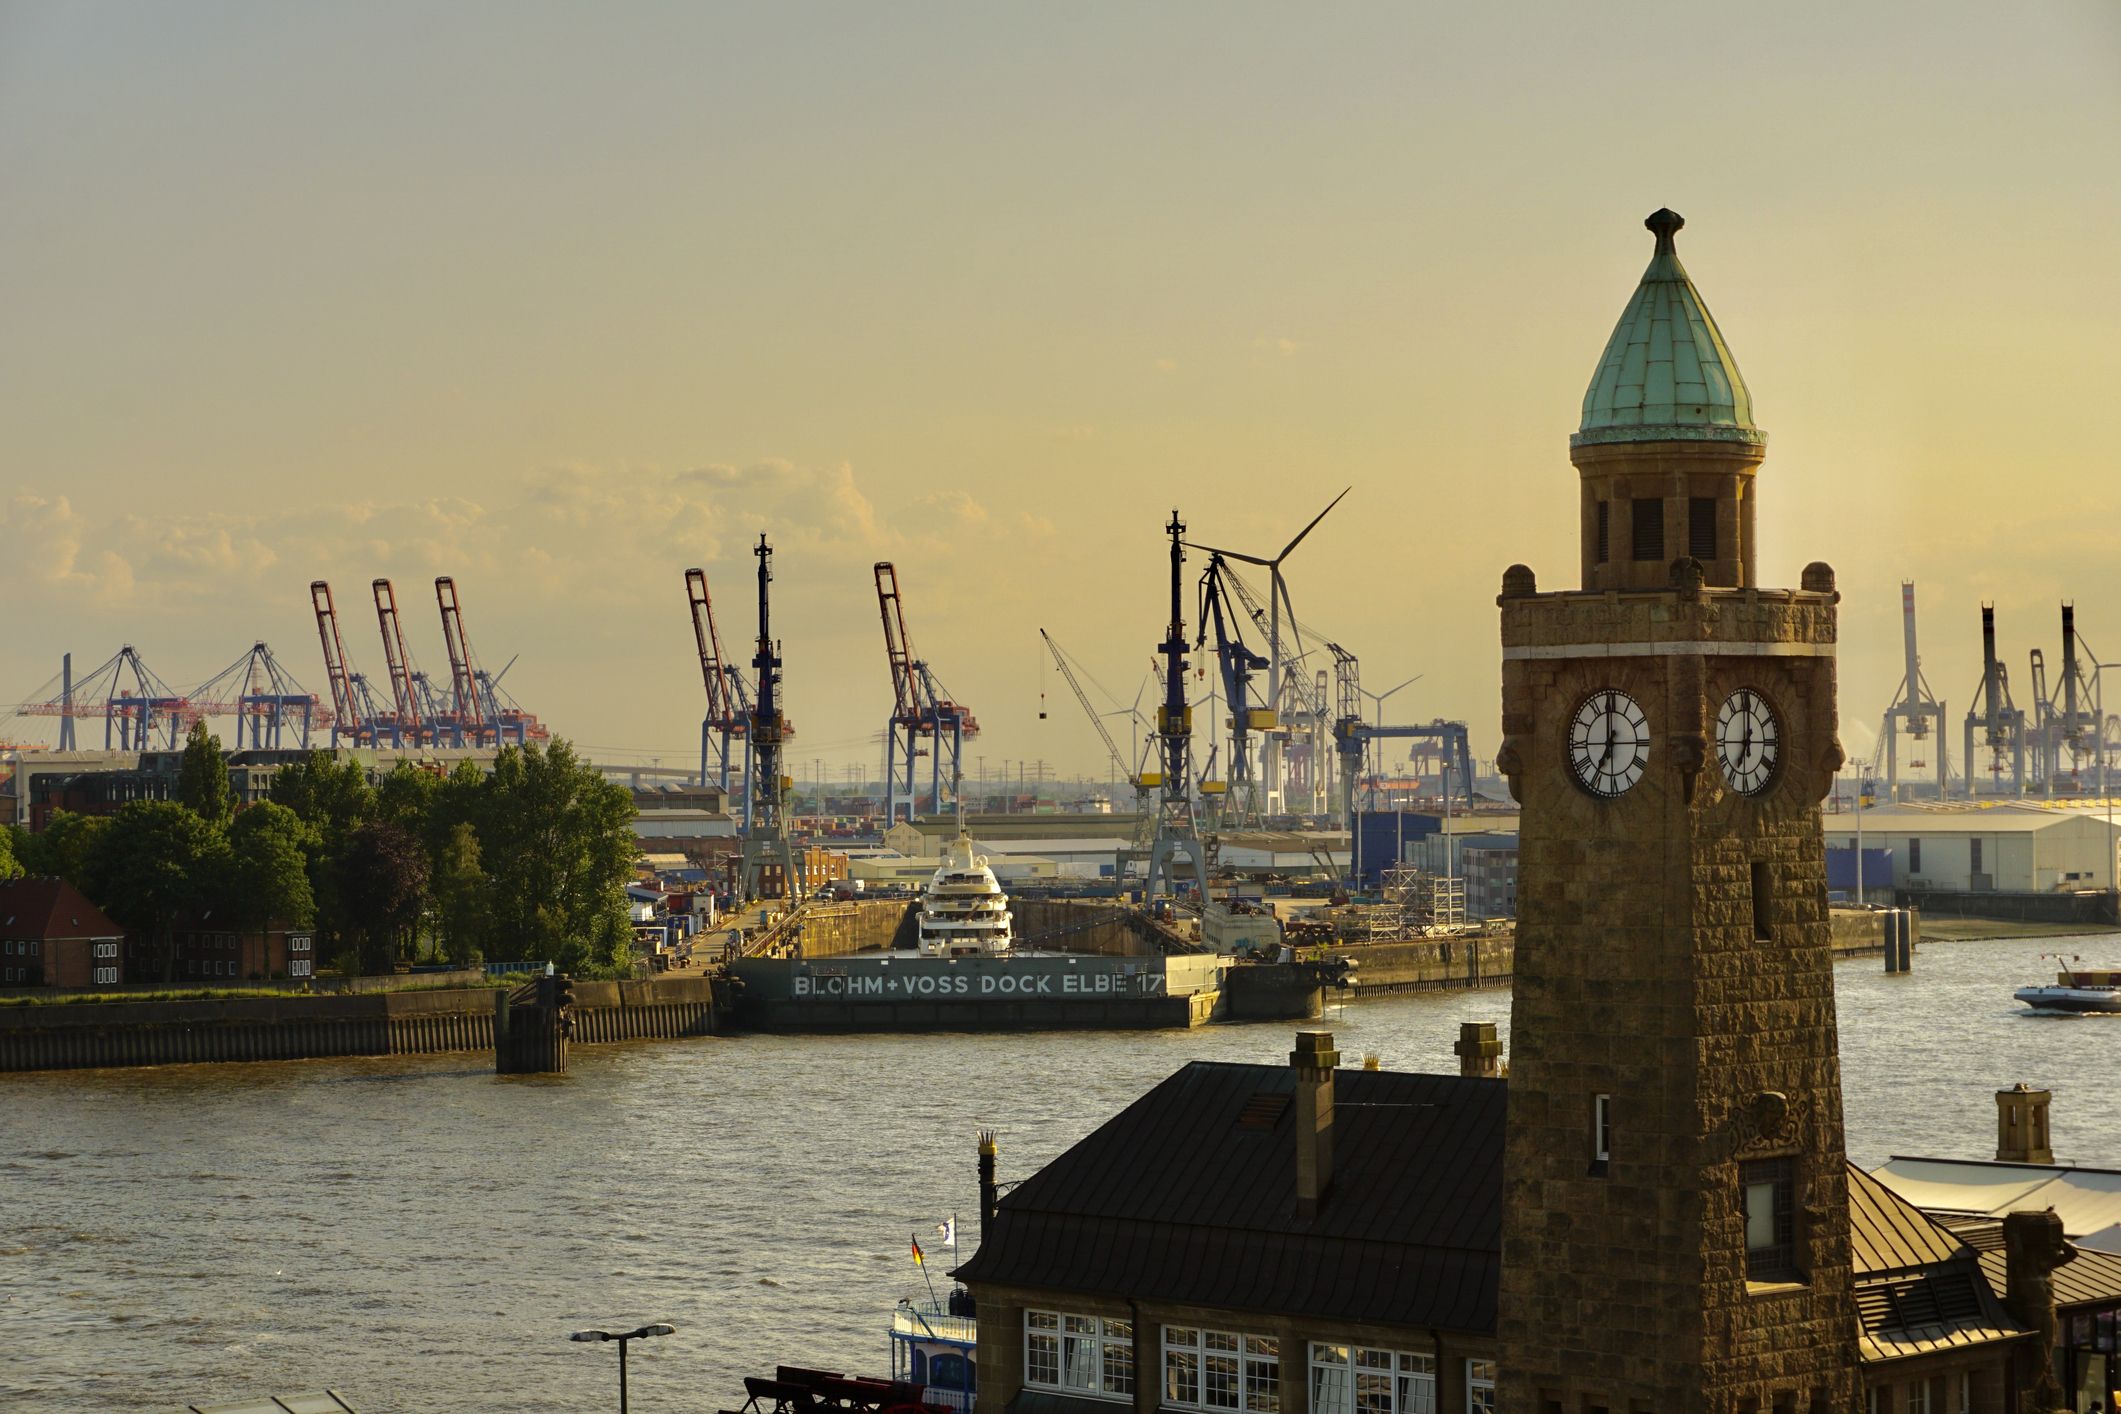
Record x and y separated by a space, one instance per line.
1308 529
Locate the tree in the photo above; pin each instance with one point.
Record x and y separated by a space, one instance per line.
331 796
267 878
459 885
382 877
10 866
153 863
407 796
65 847
558 844
202 777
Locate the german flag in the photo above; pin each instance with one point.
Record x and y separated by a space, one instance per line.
918 1259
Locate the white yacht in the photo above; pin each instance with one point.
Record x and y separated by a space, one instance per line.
964 912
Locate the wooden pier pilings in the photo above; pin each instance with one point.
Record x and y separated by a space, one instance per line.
66 1036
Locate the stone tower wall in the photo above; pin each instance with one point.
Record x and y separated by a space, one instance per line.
1640 976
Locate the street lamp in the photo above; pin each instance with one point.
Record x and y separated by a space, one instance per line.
622 1337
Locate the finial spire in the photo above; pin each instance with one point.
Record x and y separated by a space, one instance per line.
1664 223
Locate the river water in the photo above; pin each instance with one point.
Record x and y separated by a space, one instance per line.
422 1235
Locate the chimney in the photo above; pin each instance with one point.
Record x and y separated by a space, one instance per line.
1314 1060
1479 1053
989 1191
2021 1126
2033 1246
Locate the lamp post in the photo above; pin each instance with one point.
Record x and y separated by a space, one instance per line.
622 1337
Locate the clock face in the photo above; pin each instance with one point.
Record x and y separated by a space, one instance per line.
1609 743
1748 741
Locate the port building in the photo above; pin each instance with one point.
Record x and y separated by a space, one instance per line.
2014 848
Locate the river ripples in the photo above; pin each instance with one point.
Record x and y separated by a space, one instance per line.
422 1235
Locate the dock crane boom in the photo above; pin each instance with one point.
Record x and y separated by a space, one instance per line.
347 718
406 725
1238 663
920 707
728 701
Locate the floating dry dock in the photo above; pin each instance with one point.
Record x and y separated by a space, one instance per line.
1035 991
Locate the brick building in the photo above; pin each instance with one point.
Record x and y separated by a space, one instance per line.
52 936
205 952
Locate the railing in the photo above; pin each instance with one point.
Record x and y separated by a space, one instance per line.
928 1324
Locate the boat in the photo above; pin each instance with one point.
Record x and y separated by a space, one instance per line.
2078 990
964 912
933 1346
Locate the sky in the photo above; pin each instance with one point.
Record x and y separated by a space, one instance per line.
562 299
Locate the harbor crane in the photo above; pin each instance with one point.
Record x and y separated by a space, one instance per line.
1352 736
355 718
921 710
2067 721
1142 781
268 704
766 850
479 712
1285 678
728 716
138 709
1237 662
410 726
2000 720
1177 836
1915 711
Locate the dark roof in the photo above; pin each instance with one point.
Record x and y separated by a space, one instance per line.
2091 1281
1919 1288
1189 1195
50 908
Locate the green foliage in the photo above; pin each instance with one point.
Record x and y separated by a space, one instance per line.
156 860
530 862
268 875
65 847
10 866
460 894
202 777
559 847
383 890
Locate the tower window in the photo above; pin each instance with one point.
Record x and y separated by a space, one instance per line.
1701 528
1768 1189
1646 517
1601 1132
1763 900
1914 856
1605 531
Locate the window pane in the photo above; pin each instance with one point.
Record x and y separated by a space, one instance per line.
1079 1362
1759 1216
1218 1340
1417 1391
1181 1377
1119 1365
1181 1335
1041 1320
1329 1380
1219 1381
1042 1360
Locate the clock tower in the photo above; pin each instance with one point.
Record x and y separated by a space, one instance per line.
1675 1223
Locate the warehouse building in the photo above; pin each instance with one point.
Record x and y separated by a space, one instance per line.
1986 849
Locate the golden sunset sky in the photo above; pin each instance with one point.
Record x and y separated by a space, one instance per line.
561 299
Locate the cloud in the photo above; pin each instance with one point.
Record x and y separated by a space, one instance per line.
576 533
1286 348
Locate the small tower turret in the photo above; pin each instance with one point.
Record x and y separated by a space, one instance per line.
1667 448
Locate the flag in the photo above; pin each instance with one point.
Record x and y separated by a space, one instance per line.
917 1259
949 1232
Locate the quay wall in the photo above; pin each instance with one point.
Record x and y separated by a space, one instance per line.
1860 932
1429 964
62 1036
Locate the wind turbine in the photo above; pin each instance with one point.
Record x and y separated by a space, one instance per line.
1377 701
1277 600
